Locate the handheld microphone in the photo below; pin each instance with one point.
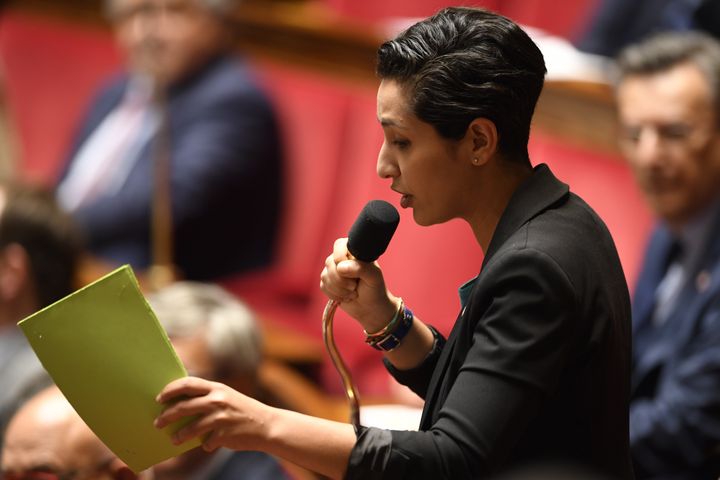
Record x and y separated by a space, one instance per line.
368 238
370 235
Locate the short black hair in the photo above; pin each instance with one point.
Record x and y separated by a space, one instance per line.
664 51
32 219
467 63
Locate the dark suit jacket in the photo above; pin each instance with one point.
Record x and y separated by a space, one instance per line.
619 23
537 366
226 177
675 407
249 465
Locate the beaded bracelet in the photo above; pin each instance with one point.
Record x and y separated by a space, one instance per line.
392 334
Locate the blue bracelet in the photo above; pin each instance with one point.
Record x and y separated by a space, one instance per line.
390 342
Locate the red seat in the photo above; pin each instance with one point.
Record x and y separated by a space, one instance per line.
50 70
312 115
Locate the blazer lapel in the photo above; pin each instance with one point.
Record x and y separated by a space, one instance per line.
535 195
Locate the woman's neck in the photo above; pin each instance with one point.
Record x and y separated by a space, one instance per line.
499 181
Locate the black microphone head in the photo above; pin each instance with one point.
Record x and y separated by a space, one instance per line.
371 233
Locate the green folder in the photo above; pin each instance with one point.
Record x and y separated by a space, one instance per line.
106 351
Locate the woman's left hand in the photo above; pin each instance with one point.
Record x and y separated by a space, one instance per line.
225 417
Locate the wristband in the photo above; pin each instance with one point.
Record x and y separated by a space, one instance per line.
389 338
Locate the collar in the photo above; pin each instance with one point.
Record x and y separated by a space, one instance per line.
465 290
541 190
536 194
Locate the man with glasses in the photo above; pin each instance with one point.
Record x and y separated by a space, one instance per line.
47 440
668 96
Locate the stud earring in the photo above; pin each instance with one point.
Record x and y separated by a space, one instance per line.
476 160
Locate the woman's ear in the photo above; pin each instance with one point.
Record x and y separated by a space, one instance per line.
483 138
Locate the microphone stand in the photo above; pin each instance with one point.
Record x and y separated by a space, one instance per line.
329 339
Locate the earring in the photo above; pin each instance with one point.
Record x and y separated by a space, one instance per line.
476 160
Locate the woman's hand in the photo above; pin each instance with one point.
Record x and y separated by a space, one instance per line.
359 287
226 418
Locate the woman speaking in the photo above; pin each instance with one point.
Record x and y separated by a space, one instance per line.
536 368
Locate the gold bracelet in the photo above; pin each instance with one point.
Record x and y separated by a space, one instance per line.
369 337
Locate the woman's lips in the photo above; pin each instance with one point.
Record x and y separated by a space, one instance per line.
405 201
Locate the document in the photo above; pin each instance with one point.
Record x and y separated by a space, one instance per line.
109 355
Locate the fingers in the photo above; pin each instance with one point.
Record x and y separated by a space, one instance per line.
334 283
184 408
187 386
340 251
200 427
338 279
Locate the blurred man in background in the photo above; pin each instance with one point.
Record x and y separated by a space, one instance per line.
39 252
188 115
668 96
46 439
217 338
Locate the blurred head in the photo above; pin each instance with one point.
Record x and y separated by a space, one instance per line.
39 250
458 90
668 96
216 337
47 440
168 39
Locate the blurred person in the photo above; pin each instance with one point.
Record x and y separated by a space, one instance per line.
216 337
537 366
668 97
186 96
39 251
618 23
47 440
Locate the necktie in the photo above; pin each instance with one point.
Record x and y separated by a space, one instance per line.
670 285
106 157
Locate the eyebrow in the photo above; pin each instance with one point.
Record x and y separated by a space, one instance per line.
387 122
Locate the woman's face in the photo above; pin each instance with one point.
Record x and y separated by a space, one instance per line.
433 174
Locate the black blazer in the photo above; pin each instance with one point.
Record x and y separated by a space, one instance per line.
537 366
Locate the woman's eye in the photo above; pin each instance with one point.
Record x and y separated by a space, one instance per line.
401 143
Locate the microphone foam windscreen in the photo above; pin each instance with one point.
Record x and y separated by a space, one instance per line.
371 233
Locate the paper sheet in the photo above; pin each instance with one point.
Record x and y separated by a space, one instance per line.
106 351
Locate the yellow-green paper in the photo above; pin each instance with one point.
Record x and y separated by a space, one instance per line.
106 351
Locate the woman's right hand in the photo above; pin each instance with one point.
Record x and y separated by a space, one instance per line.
359 287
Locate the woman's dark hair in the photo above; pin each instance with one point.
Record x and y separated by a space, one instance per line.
467 63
